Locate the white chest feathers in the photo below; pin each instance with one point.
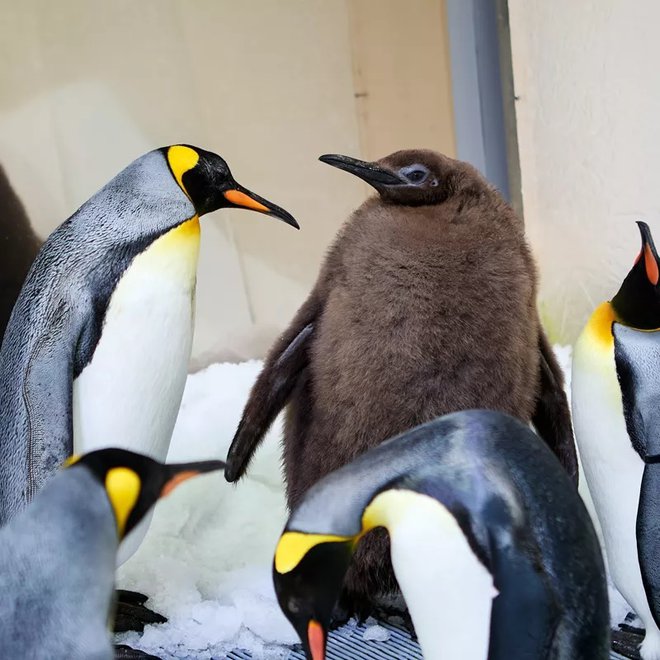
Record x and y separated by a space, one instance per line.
448 591
129 395
612 467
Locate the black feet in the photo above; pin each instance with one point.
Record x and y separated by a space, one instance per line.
131 613
123 652
626 643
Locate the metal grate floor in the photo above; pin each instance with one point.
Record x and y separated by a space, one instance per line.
346 643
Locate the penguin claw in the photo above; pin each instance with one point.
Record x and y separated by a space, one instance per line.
350 605
123 652
131 617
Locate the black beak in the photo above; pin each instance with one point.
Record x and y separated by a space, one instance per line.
241 198
372 173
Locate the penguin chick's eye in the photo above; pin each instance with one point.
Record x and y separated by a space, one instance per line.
414 173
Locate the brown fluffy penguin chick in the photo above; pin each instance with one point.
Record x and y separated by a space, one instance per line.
425 305
18 245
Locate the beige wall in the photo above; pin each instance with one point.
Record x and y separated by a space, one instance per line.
589 137
88 85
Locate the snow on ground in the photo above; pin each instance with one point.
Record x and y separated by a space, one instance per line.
206 562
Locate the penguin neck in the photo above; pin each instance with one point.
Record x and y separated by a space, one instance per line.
637 304
435 565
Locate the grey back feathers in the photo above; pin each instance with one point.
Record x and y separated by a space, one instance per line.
58 318
57 564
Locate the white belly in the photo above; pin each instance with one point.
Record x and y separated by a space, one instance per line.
130 393
448 591
613 469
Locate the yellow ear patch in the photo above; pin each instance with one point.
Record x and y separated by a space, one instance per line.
123 487
293 546
181 159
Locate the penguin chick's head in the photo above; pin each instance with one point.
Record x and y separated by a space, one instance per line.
308 572
135 482
205 178
413 177
637 303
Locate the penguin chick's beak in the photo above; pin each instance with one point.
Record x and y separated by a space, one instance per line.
240 198
375 175
649 254
316 640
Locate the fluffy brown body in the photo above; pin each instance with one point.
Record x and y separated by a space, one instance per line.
418 311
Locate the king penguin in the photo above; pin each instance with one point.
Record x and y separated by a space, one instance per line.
97 348
615 395
494 551
425 304
58 555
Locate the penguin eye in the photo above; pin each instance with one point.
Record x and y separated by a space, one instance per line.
414 173
294 605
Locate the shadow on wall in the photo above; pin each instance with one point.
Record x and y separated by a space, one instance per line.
19 248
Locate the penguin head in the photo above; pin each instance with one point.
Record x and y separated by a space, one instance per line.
637 303
308 572
414 177
206 180
134 482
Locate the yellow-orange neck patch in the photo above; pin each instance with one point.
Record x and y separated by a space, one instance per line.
181 160
599 325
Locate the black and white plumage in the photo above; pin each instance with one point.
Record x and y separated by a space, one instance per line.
493 549
58 555
98 345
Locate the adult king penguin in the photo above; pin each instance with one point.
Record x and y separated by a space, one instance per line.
57 556
426 304
97 348
494 551
616 389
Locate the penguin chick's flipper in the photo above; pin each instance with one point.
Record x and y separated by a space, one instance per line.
270 393
552 417
637 358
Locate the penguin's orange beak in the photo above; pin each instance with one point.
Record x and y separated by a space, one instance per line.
649 254
316 638
241 198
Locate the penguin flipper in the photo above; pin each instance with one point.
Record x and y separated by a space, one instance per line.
648 536
637 358
552 417
288 357
48 396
